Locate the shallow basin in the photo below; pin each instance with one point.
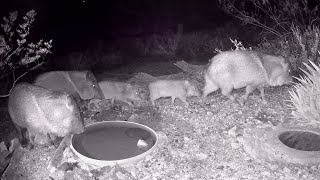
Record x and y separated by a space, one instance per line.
110 142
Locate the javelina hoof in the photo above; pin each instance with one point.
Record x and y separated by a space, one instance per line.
204 100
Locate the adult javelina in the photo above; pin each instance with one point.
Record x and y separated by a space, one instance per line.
172 88
236 69
44 113
120 91
80 84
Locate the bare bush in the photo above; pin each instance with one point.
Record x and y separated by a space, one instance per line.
272 16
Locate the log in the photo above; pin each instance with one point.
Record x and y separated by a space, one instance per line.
189 68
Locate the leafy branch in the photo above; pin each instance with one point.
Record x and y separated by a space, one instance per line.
15 51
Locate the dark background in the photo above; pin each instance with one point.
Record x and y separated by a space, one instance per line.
75 24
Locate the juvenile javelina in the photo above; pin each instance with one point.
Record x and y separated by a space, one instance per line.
236 69
172 88
44 113
82 85
120 91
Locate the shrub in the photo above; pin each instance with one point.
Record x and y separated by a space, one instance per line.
16 55
289 27
272 16
299 48
165 44
194 43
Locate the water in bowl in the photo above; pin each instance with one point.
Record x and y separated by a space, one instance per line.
112 143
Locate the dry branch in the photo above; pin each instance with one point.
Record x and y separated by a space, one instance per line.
189 68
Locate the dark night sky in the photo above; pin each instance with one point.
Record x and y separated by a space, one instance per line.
73 23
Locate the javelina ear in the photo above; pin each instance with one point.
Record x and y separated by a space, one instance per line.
90 77
69 102
91 80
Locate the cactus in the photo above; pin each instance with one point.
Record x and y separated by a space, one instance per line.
305 96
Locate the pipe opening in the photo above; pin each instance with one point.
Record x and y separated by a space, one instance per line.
301 140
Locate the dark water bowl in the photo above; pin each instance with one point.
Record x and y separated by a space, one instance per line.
111 142
301 140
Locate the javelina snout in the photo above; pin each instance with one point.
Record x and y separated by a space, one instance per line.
192 89
280 74
133 93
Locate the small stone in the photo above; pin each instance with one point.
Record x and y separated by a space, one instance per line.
265 173
148 157
182 154
235 145
285 169
274 167
202 156
304 176
232 132
186 139
133 118
3 147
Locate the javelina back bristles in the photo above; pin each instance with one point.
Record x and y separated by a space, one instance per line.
241 68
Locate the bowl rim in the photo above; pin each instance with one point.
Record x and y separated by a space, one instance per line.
133 159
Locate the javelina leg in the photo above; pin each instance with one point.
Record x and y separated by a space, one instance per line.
261 89
152 102
22 136
184 99
112 101
31 139
172 99
249 89
208 88
226 91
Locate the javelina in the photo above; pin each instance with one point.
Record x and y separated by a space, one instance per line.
120 91
236 69
44 113
80 84
172 88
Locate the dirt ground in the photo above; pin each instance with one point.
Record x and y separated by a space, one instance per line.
194 143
